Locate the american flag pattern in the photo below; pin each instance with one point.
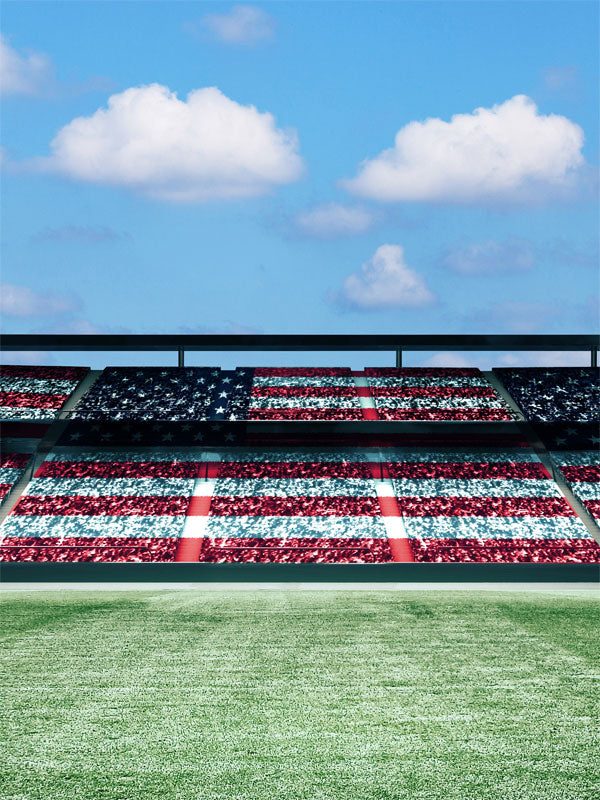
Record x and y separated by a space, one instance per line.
435 394
12 466
294 505
486 506
30 392
581 470
309 393
554 394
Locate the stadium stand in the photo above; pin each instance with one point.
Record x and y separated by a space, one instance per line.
554 394
36 393
12 466
582 472
295 505
176 464
435 394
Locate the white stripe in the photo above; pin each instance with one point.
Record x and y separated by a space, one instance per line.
164 454
394 525
25 412
577 458
438 402
440 455
291 454
297 527
304 402
495 528
295 487
425 381
492 487
108 487
308 380
100 526
11 474
586 491
195 527
37 385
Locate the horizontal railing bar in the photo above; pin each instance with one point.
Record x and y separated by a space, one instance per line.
296 342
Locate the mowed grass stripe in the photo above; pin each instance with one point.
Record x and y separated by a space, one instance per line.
316 696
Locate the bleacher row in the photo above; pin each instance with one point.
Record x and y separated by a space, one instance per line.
207 393
372 500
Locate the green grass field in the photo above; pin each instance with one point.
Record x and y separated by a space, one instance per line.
307 695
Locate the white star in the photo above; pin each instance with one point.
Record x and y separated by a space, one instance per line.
229 437
199 437
226 380
220 410
223 394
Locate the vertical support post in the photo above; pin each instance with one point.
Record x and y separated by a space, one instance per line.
180 357
594 356
399 359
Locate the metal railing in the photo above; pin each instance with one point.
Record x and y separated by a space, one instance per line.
180 343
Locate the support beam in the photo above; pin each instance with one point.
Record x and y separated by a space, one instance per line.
398 359
594 356
181 357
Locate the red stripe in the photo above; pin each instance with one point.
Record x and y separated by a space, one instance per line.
307 550
293 469
5 489
67 505
32 400
294 506
506 550
300 372
468 470
305 413
485 507
588 473
199 506
43 373
122 469
14 460
442 414
433 391
304 391
88 549
370 413
422 372
593 506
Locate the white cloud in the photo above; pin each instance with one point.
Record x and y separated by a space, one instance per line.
487 361
333 220
385 282
28 74
203 148
21 301
509 152
480 258
247 25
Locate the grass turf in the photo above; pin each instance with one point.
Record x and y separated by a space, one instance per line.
300 695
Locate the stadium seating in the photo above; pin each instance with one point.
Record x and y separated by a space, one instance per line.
581 470
335 505
554 394
12 466
32 392
435 394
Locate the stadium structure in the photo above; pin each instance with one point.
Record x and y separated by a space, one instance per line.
391 473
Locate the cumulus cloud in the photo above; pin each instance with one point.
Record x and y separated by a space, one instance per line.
79 233
482 258
243 25
21 301
29 73
333 220
385 281
509 152
192 150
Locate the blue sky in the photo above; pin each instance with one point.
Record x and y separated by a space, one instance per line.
477 222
